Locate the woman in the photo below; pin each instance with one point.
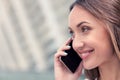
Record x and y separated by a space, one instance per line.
95 29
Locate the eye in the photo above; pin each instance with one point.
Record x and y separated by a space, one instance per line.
85 28
71 33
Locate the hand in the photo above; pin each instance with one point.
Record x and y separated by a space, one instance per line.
61 72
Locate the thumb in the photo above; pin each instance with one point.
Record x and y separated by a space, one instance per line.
79 69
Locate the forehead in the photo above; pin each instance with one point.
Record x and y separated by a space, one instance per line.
77 10
79 14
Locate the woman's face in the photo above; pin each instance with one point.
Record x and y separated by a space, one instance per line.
90 38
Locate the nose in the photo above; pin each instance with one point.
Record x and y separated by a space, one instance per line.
78 44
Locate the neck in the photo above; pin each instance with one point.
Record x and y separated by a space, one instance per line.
110 70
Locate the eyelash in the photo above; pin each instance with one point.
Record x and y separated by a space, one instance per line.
85 28
71 33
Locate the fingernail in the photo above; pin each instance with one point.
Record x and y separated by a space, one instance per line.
68 47
65 53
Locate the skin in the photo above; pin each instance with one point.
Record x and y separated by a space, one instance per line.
92 43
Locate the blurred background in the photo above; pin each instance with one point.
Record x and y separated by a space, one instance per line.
30 33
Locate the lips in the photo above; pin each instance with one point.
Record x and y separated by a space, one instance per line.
86 53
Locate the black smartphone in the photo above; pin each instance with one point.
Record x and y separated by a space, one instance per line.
72 60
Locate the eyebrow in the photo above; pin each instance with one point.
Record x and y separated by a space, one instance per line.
79 24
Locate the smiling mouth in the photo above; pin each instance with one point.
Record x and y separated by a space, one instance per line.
91 51
85 54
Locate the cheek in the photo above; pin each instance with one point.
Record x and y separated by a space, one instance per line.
102 42
98 58
104 51
105 46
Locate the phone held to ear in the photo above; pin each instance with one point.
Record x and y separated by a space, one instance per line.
72 60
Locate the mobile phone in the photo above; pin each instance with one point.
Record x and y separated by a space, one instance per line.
72 60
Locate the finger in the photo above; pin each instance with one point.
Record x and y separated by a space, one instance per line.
63 48
68 41
79 70
57 58
59 54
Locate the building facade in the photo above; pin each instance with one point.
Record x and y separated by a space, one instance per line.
30 33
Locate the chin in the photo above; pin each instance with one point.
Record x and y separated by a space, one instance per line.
89 67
